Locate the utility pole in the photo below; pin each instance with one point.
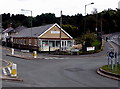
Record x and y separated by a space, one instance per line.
101 25
60 29
30 23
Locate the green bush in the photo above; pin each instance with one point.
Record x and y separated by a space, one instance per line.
97 44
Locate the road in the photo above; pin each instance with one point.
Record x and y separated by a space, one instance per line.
60 73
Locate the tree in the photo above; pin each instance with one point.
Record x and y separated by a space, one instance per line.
110 20
88 38
72 30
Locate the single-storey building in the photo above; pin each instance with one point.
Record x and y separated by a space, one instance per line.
43 38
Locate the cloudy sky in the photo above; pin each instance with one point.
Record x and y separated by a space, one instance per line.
69 7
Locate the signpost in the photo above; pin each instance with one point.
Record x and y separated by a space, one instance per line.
112 60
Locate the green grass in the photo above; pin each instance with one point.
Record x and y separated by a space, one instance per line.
115 70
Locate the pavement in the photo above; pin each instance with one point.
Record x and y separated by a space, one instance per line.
29 55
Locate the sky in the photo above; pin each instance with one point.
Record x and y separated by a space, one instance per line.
68 7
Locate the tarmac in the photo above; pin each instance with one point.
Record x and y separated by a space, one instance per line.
29 56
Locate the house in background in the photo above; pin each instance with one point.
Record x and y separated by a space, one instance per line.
18 29
8 33
6 36
1 30
43 38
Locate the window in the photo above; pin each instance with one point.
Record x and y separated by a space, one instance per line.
24 41
52 43
57 43
21 41
18 41
45 43
35 42
30 42
69 44
63 44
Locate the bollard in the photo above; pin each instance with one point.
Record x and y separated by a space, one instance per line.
14 70
12 51
35 54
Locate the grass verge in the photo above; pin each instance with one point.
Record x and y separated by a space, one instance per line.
116 69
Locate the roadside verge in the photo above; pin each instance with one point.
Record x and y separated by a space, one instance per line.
108 74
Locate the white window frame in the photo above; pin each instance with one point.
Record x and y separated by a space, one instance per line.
30 42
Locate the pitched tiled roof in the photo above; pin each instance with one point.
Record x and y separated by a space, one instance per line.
36 31
20 28
8 30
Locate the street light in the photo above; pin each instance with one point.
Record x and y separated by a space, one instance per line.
85 15
31 21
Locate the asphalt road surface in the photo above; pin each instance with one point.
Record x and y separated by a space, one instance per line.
60 73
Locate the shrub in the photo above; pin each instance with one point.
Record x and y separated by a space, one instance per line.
97 44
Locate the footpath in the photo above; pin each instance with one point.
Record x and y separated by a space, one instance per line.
24 54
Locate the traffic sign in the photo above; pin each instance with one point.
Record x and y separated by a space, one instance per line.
111 54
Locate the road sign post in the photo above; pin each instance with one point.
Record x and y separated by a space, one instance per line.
112 60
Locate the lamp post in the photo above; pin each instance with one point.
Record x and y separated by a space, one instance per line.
96 29
31 21
85 15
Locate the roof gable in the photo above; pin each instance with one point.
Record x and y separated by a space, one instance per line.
55 28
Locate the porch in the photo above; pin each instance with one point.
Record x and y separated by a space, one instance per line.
52 45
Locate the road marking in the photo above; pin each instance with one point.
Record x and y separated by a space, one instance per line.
9 64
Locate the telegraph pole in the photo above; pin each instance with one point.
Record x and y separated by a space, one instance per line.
60 29
30 23
101 24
